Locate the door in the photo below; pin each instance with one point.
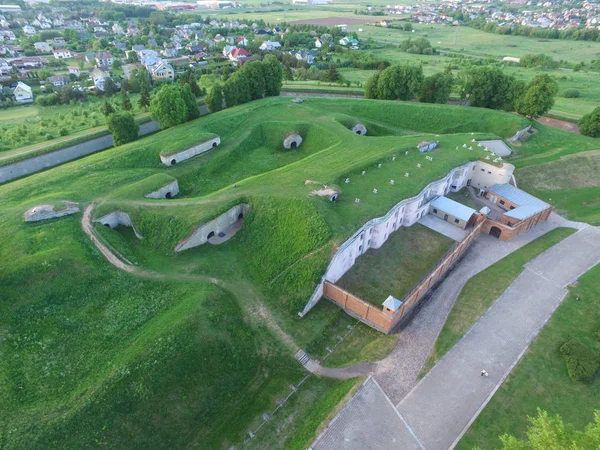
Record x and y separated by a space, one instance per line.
446 217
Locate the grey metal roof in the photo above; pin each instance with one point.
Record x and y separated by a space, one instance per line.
523 212
392 303
453 208
517 196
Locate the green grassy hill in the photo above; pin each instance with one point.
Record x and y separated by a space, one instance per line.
193 348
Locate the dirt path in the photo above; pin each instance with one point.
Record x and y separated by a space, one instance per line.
560 124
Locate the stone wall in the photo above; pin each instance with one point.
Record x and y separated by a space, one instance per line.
376 231
57 157
117 218
168 191
223 222
175 158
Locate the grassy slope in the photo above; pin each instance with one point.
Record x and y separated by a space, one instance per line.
572 184
479 294
76 316
540 380
397 266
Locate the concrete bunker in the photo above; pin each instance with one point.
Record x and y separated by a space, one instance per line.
173 158
167 191
292 140
216 231
522 135
331 193
359 128
116 218
427 146
45 212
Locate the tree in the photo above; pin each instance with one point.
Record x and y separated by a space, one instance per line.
109 87
489 87
400 82
550 433
125 102
538 98
288 75
144 101
371 86
190 103
225 75
214 99
107 109
589 124
273 76
190 79
168 106
255 74
123 128
437 88
117 64
333 74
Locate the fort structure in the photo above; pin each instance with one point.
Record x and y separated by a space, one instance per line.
116 218
518 212
217 230
359 128
169 190
45 212
292 140
170 159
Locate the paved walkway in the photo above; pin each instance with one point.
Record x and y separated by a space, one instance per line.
441 226
441 407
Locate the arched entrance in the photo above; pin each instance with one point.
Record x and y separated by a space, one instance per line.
211 234
168 195
173 162
240 216
496 232
293 144
214 144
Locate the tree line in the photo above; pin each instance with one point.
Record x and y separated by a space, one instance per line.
253 81
485 87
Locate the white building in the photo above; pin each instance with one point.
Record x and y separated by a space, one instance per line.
268 46
23 93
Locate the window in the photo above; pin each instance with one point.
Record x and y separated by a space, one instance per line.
512 207
435 211
509 224
360 248
502 202
473 167
483 170
489 173
456 220
369 242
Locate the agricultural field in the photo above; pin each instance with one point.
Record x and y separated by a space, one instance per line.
190 349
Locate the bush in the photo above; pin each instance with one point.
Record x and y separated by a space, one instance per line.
571 93
582 362
597 334
63 131
589 125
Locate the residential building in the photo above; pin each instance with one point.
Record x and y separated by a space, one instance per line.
58 81
42 47
104 59
23 93
62 54
270 45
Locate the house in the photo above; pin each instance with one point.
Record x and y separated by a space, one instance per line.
42 47
132 30
7 35
23 93
104 59
227 49
58 81
117 29
96 73
385 23
74 70
241 41
170 52
270 45
29 30
318 43
57 42
303 55
348 41
120 45
62 54
162 71
236 53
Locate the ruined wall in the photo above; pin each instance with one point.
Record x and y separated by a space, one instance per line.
117 218
167 191
55 158
221 223
175 158
376 231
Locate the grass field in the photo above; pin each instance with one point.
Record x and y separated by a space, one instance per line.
397 265
479 293
540 379
194 349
